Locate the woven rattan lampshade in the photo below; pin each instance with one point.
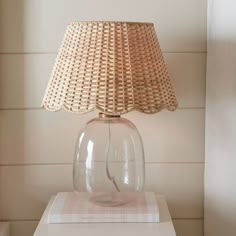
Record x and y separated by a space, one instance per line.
114 67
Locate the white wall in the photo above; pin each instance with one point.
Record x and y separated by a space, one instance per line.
36 146
220 177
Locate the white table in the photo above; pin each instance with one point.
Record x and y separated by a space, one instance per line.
164 228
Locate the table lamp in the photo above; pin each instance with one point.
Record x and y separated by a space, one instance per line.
115 68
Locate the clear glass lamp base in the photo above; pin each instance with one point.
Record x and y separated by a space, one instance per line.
112 198
109 161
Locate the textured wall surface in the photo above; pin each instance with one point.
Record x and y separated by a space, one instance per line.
36 146
220 187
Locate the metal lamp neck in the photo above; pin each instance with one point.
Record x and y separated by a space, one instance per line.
103 115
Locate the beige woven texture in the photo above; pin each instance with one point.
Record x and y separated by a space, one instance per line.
114 67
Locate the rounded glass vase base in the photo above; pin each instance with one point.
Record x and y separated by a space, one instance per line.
110 199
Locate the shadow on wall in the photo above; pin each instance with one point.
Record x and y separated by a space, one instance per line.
220 190
12 89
